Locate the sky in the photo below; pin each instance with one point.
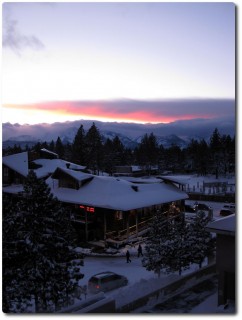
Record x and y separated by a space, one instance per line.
133 62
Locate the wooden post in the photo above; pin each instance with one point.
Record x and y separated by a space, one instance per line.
127 225
86 228
137 229
104 227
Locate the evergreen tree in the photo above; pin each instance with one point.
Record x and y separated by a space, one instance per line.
198 153
201 242
215 141
113 154
160 230
16 149
94 149
215 148
79 147
108 156
174 158
39 260
68 151
203 154
118 149
167 247
228 152
173 244
176 253
51 146
147 152
59 148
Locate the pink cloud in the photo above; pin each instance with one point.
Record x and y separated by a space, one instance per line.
137 111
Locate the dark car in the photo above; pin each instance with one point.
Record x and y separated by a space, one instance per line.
201 206
189 208
225 212
106 281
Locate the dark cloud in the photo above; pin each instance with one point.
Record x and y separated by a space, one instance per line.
15 40
197 128
170 110
186 129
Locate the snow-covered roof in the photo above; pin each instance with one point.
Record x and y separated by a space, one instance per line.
117 194
77 175
176 179
141 179
48 151
50 165
17 162
224 225
14 188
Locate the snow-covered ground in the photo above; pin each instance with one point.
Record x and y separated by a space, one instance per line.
133 271
139 279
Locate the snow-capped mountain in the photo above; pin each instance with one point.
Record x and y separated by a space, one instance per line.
176 133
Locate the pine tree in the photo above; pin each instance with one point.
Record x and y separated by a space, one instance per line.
216 151
147 152
79 147
108 156
113 154
51 146
201 242
168 247
39 260
160 229
59 148
94 149
227 151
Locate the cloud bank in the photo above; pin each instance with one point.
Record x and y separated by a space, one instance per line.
185 129
144 111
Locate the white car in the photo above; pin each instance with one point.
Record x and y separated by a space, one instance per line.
106 281
229 206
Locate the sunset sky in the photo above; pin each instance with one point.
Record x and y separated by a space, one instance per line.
139 62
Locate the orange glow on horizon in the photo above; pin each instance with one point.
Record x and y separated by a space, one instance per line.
69 111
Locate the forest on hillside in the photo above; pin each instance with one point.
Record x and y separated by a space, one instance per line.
90 149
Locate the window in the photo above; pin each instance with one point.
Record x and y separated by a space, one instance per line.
87 209
119 215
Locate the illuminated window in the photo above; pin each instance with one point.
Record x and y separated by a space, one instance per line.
87 209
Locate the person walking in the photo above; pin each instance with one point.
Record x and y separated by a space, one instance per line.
140 251
128 256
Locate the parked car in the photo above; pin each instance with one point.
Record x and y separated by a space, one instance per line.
189 208
201 206
229 206
225 212
106 281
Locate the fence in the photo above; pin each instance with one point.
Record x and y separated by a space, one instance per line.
171 289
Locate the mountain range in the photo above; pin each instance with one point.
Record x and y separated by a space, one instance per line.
177 133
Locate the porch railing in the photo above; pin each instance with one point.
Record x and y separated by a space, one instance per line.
122 234
143 225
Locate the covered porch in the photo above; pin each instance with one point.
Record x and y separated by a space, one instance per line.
115 228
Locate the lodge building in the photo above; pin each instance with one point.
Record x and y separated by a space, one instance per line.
102 208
